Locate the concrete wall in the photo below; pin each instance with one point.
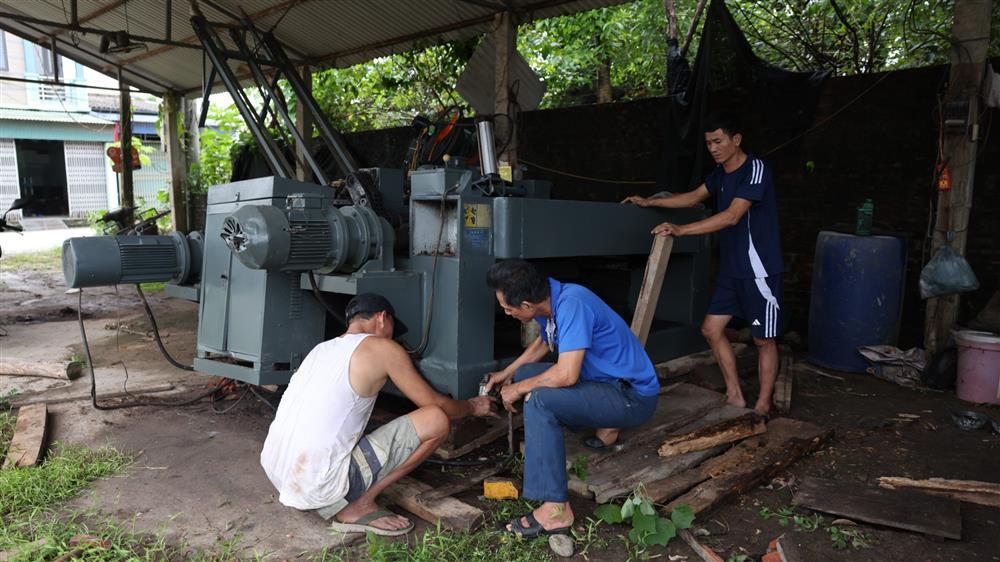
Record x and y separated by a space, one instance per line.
881 145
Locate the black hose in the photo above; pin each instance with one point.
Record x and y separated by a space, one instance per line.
156 333
319 296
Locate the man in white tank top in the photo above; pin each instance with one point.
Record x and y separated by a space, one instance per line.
316 454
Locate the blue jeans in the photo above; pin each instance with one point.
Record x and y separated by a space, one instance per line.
585 404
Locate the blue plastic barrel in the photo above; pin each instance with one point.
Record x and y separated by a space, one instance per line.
857 297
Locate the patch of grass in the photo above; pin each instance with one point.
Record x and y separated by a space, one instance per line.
152 287
844 538
503 511
33 261
7 421
444 546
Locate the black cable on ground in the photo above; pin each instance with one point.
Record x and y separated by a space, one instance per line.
156 331
262 399
93 377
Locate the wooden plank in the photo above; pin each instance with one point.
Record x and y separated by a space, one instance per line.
65 370
745 465
703 552
725 432
29 437
450 513
459 485
652 283
783 385
900 509
982 493
37 398
490 430
687 364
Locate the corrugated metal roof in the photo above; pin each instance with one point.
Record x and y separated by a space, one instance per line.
322 33
11 114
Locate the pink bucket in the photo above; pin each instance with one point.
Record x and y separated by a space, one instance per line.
978 367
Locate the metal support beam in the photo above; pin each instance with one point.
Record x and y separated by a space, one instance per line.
176 158
94 30
125 134
970 45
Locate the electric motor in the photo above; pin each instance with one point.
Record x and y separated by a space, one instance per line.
95 261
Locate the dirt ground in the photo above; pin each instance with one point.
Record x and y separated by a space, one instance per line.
197 477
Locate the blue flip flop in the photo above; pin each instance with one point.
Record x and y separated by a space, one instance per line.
534 528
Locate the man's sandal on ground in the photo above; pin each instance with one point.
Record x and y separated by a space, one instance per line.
534 528
596 444
363 525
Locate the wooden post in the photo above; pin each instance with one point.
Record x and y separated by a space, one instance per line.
970 43
176 158
305 127
125 136
652 282
505 40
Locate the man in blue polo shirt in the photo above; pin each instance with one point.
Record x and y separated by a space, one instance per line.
601 379
750 264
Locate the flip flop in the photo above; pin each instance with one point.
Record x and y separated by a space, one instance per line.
362 525
534 528
598 445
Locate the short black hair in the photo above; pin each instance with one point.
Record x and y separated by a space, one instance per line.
727 121
519 281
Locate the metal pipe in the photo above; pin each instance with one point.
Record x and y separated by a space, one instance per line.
59 83
74 18
487 152
168 19
94 30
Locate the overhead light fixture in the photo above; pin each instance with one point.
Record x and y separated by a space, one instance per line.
114 42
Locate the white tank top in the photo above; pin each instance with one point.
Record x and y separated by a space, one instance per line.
319 421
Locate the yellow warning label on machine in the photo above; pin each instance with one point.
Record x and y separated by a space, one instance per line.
477 215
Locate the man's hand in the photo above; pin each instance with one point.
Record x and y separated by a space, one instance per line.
669 229
483 406
499 378
509 394
637 200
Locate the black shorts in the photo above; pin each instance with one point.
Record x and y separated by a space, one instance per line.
758 302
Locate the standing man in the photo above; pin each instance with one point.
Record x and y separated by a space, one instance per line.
602 379
750 264
316 454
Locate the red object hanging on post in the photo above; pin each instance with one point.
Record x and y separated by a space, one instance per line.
115 154
944 178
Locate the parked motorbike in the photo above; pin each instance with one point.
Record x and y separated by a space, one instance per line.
4 225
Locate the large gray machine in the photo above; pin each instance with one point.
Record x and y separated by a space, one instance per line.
274 250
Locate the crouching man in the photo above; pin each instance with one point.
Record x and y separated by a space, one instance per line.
602 379
316 453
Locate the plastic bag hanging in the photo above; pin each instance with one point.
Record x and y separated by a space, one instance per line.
946 274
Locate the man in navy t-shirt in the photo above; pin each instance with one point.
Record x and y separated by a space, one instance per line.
601 379
750 264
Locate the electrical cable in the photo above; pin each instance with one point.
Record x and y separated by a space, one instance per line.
233 405
425 337
319 296
156 333
93 376
262 399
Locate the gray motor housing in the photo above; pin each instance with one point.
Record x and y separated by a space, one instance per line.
95 261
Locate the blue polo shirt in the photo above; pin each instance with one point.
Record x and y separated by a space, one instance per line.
751 248
584 321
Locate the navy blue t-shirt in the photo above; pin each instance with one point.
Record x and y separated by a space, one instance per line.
584 321
751 248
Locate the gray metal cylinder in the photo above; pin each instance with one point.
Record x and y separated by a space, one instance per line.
96 261
303 239
487 153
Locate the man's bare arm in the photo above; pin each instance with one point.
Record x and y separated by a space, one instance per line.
534 353
406 378
565 372
714 223
679 201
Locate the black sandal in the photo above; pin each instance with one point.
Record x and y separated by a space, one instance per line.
534 528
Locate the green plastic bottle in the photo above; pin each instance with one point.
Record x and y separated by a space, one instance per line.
864 224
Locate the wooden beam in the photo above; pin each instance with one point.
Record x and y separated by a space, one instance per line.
900 509
65 370
982 493
652 283
450 513
110 7
688 363
176 159
784 383
23 400
970 45
505 42
722 433
29 437
305 127
126 194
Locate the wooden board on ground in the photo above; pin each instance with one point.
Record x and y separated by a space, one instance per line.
722 433
473 433
982 493
652 283
609 475
39 397
462 484
29 437
688 363
452 514
65 370
740 468
783 384
901 509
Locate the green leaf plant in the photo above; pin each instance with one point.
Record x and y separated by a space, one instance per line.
648 526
